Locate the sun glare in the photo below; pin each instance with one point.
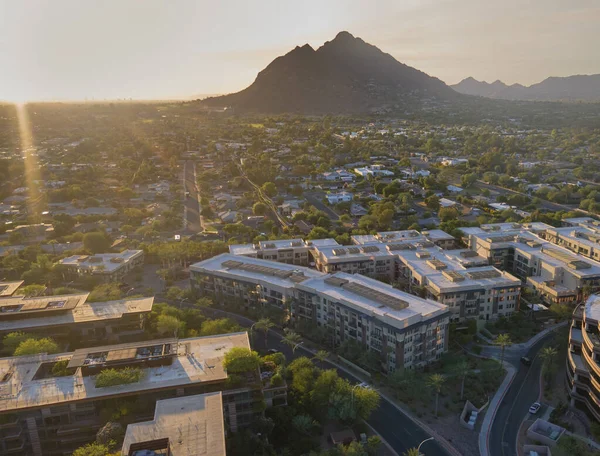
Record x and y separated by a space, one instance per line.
32 171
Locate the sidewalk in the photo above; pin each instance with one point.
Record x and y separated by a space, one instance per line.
493 408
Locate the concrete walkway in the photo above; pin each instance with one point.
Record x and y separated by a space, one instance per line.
492 409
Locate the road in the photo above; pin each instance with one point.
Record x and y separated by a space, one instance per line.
548 205
191 203
396 428
513 409
316 199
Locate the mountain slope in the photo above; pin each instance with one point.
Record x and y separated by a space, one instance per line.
344 75
571 88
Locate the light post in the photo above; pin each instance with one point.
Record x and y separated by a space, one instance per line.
352 394
296 346
129 291
182 301
419 447
252 332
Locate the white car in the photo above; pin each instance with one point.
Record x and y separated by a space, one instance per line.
364 385
534 408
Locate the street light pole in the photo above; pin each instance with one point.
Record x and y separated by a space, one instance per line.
419 447
352 395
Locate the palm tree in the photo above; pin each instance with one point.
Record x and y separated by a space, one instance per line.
292 339
462 370
503 340
264 324
411 452
321 356
435 382
548 354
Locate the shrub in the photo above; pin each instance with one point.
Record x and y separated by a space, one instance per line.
60 369
36 346
112 377
276 380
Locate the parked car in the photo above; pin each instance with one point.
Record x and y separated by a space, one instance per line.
534 408
272 351
525 360
365 385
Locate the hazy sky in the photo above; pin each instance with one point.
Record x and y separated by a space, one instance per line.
76 49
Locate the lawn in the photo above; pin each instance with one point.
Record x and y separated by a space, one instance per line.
519 328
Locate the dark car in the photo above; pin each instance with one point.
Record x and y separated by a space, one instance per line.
525 360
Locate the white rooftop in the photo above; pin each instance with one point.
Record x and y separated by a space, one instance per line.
416 310
198 360
437 235
9 288
192 424
102 262
83 312
256 269
337 254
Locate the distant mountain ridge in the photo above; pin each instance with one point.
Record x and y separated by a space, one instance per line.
344 75
570 88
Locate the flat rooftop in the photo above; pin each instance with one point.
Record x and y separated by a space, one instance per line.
80 312
256 269
340 254
437 235
193 426
195 360
376 298
102 262
281 244
560 257
9 288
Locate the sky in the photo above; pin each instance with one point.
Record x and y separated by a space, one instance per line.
151 49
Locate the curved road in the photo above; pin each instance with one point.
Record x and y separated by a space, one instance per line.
399 431
514 408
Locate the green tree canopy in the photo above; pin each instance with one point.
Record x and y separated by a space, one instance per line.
36 346
96 242
239 359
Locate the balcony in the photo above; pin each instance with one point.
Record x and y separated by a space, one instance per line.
577 363
591 363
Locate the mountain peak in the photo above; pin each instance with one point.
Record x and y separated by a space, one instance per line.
346 74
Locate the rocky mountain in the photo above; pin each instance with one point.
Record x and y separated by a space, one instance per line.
571 88
344 75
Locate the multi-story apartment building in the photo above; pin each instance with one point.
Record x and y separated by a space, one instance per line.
438 237
458 280
373 260
349 306
183 426
109 267
290 251
71 318
554 272
45 411
582 239
583 357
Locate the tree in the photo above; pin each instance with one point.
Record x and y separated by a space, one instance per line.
32 290
218 326
174 293
435 382
504 341
270 189
373 445
240 359
447 213
169 324
12 340
411 452
548 355
96 242
203 303
264 324
468 180
433 202
292 339
105 292
321 356
36 346
461 369
113 377
259 208
304 424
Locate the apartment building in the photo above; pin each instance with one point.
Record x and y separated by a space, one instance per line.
42 413
458 280
373 260
408 331
583 357
183 426
290 251
71 318
438 237
555 273
109 267
582 239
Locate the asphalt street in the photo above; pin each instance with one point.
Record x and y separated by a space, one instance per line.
316 199
397 429
192 201
514 407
